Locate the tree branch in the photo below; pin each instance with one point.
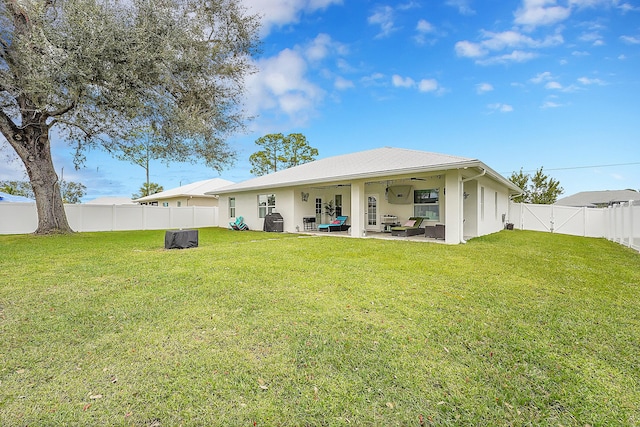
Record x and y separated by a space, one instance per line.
62 110
7 126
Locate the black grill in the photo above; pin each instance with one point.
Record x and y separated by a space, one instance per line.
273 222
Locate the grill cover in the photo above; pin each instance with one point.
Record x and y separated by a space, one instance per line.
273 222
181 239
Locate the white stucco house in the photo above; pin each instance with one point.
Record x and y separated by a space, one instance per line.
371 187
200 193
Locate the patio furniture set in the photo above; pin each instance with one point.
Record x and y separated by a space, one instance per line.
413 227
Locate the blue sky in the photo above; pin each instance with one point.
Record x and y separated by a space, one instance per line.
519 84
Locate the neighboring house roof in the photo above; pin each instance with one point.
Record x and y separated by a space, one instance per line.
364 164
111 201
598 198
4 197
199 189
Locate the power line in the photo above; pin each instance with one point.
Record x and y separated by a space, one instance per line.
585 167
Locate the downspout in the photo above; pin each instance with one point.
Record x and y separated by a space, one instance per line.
462 181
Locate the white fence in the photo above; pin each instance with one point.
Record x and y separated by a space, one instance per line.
623 224
618 223
22 218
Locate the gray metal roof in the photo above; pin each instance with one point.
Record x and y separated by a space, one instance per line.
598 198
378 162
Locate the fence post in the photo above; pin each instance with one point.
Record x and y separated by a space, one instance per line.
521 216
144 216
630 236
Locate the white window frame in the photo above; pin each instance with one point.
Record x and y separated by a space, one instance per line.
266 204
232 207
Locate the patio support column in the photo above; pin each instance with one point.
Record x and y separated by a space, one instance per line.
357 209
453 207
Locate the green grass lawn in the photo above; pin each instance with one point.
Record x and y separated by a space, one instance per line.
266 329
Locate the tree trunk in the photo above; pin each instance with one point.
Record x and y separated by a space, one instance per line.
32 145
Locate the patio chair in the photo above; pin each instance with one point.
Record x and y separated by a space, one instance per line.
409 228
239 224
338 225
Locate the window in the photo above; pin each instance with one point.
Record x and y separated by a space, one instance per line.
426 203
266 204
338 199
179 204
165 204
232 207
319 210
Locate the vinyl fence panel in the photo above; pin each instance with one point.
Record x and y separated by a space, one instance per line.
22 218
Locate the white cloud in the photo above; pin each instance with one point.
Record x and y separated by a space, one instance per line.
424 29
553 85
383 17
341 83
399 81
374 79
502 108
425 26
424 85
626 7
281 85
428 85
468 49
515 56
322 46
593 37
587 81
630 39
541 77
276 13
550 104
515 39
512 39
463 6
580 53
535 13
483 88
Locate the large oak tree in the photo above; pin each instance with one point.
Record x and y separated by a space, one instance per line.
100 72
